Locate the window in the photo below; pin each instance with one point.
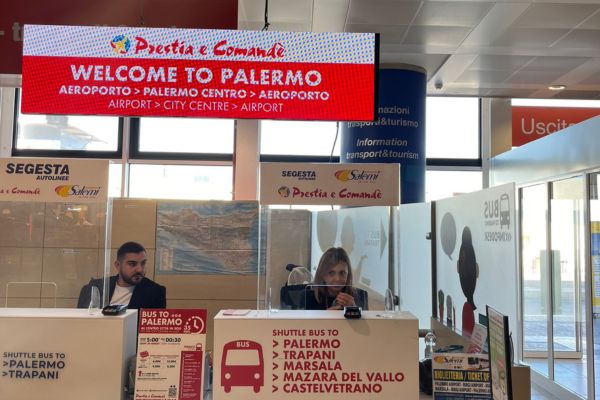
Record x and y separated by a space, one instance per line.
189 182
65 135
299 138
442 184
452 128
186 135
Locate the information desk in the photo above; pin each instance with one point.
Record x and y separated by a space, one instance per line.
315 355
66 354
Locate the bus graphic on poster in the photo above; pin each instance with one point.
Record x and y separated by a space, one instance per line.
242 364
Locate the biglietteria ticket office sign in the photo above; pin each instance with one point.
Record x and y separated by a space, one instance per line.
199 73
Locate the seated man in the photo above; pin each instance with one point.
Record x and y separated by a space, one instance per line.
129 286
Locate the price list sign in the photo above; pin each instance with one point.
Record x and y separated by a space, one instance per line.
171 350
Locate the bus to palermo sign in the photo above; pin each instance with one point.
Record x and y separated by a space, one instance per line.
199 73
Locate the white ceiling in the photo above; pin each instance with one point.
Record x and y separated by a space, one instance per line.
473 48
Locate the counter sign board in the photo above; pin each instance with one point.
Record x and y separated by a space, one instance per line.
53 180
325 183
171 350
199 73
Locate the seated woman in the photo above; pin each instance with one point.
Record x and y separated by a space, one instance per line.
332 286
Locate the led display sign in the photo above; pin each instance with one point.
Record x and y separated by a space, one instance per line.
199 73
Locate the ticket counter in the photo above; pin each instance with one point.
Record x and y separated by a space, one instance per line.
64 354
315 355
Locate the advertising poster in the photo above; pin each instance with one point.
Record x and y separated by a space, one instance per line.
315 355
171 351
199 73
500 361
341 184
595 254
476 255
459 376
53 180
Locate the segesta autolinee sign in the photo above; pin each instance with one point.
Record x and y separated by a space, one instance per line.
53 180
325 183
199 73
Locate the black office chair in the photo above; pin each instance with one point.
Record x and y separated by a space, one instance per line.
292 297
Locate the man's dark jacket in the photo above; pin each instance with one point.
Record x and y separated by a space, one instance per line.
147 294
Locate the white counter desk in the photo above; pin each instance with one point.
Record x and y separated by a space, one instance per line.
315 355
64 354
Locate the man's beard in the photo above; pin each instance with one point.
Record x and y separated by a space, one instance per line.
130 281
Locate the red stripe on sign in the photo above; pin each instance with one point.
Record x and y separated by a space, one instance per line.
189 88
532 123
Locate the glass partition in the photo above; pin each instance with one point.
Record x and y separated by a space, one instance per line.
534 201
298 241
49 251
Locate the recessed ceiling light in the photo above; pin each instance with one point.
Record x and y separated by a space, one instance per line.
557 87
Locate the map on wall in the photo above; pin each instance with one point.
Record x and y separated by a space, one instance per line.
209 238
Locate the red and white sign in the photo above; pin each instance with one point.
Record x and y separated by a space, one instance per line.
53 180
171 351
324 183
156 13
315 355
532 123
199 73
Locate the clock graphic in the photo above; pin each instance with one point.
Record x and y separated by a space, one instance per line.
194 324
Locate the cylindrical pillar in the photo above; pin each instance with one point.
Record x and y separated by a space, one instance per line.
398 134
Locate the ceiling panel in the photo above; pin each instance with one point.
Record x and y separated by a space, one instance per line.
445 13
499 62
530 38
535 77
505 48
555 63
483 76
451 36
593 22
581 39
382 12
548 15
592 80
430 62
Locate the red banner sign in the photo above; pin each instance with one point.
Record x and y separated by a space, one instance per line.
199 73
155 13
531 123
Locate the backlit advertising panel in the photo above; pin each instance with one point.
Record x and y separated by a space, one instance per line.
199 73
532 123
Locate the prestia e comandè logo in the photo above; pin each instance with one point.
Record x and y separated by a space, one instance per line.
120 44
77 191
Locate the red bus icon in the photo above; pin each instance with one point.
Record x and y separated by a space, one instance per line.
242 364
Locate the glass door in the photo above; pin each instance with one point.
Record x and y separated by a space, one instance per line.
553 269
534 237
567 274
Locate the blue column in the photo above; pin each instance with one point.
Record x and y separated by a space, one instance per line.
398 135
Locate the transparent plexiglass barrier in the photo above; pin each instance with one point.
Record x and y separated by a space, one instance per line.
50 251
296 241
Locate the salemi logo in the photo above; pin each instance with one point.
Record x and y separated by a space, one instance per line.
497 219
79 191
360 175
